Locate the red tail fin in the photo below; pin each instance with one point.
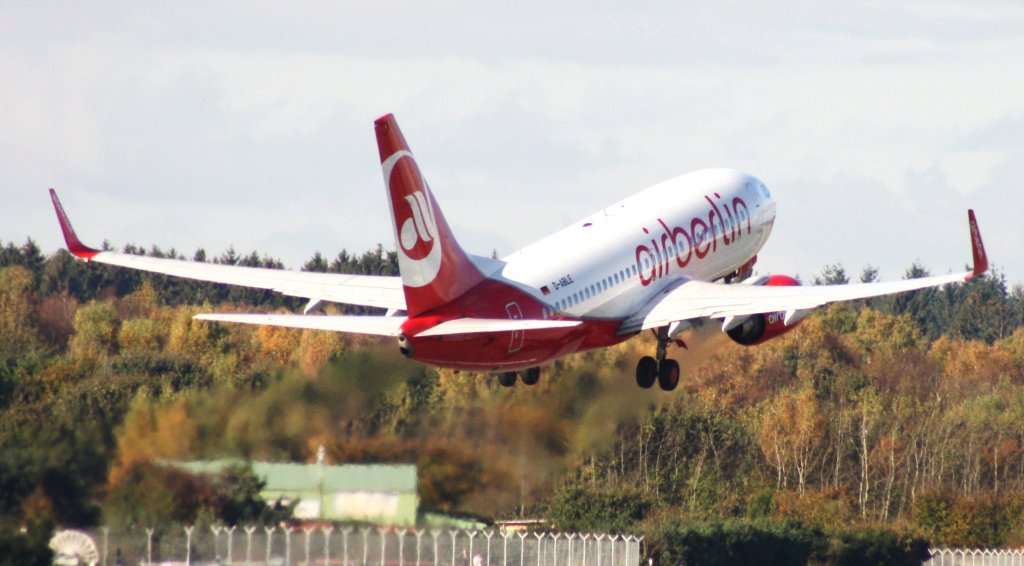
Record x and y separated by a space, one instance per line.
434 268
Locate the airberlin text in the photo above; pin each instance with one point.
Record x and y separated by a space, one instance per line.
725 221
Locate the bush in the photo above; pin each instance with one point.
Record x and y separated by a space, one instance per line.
734 542
873 546
578 509
743 541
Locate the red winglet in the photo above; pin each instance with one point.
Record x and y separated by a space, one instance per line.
75 245
977 247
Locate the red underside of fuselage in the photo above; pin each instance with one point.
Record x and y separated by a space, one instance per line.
503 351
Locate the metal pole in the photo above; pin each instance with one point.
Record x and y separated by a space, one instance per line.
471 535
248 543
366 544
419 538
270 537
487 534
435 533
231 546
453 532
149 546
309 535
401 544
344 544
288 545
106 538
327 530
216 541
188 544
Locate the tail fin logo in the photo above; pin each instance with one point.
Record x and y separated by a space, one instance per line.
418 231
419 248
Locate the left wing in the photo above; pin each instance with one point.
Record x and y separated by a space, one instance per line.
366 290
690 299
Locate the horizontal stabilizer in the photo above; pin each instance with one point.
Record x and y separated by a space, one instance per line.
477 325
375 325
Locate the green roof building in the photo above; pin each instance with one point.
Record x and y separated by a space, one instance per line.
380 494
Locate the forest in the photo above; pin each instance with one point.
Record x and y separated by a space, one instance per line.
898 419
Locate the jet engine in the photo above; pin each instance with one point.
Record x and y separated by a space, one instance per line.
758 328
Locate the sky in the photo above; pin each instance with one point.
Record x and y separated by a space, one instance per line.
250 124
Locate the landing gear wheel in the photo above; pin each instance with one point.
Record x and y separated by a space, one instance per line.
531 376
646 372
668 375
507 379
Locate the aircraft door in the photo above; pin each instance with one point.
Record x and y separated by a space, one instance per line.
514 313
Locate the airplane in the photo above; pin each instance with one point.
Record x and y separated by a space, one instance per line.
677 252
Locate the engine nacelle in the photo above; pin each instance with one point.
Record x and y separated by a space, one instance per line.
758 328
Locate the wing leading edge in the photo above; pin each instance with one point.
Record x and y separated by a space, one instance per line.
689 299
365 290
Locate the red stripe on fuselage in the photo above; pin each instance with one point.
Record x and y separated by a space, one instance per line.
499 351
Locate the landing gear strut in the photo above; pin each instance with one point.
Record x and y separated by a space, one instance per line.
664 371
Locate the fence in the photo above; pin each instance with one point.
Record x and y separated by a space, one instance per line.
364 546
976 557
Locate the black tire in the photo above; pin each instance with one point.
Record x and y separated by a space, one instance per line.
646 372
507 379
531 376
668 375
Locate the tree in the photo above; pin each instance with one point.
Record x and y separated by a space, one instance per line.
96 326
832 275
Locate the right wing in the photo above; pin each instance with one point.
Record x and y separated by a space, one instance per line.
688 299
366 290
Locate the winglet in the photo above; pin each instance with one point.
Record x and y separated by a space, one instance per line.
75 245
977 247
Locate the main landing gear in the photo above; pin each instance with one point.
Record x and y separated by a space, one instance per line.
529 377
663 370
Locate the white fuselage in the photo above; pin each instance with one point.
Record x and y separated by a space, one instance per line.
700 226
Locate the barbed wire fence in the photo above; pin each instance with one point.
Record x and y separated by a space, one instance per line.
363 546
976 557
